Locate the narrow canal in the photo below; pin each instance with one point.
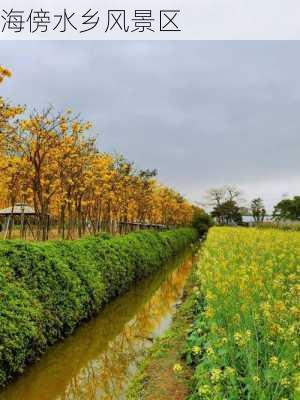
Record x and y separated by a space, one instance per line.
100 358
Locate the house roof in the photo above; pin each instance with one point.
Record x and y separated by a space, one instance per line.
18 209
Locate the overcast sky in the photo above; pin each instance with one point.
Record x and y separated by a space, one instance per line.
203 113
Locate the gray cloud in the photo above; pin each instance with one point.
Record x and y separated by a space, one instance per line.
203 113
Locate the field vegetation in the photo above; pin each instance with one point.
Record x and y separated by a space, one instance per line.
244 343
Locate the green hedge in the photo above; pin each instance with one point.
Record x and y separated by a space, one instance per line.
48 288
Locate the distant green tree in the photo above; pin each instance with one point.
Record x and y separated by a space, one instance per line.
258 210
288 209
227 213
202 222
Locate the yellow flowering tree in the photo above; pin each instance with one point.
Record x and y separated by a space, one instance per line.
50 160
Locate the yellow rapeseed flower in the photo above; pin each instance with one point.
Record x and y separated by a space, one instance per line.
210 351
273 361
284 382
229 371
177 368
196 350
204 390
215 375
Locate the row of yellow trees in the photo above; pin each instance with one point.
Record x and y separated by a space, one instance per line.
50 160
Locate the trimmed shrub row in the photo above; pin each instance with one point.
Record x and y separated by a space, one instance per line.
48 288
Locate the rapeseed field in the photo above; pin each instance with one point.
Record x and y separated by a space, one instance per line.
244 343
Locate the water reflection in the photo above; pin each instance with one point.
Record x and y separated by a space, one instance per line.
99 359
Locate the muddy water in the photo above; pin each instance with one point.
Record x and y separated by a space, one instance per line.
99 359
